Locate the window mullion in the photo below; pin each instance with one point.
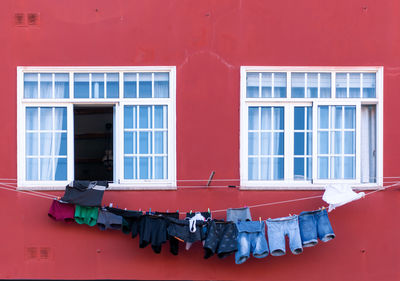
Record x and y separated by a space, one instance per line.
70 142
314 141
288 144
358 142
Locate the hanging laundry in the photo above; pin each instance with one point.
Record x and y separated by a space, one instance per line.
339 194
278 229
238 214
221 239
86 215
62 211
85 193
201 216
313 225
183 230
251 239
130 220
108 220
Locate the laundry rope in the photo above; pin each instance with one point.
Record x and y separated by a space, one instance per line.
51 197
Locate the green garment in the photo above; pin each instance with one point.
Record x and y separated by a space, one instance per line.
86 215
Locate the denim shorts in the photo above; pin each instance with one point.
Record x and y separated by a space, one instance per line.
239 214
251 239
221 239
313 225
278 229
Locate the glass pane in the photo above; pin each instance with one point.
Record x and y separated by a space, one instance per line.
160 117
61 169
309 168
312 85
336 167
322 167
349 167
129 167
253 168
336 142
30 85
159 164
145 116
309 144
160 141
129 117
337 112
325 85
349 117
299 168
278 168
61 90
46 169
98 85
354 84
280 85
46 85
60 118
349 143
46 118
46 140
309 118
253 143
145 167
266 118
369 85
299 118
278 143
145 142
32 169
81 85
279 118
323 143
266 169
266 143
299 144
130 85
253 118
161 85
145 90
32 144
266 85
129 140
60 144
252 84
323 117
341 85
298 83
32 118
112 85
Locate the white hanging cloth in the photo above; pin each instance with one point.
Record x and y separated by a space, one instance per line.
339 194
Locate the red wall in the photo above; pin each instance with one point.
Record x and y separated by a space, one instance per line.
207 41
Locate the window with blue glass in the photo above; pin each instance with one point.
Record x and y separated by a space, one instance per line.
141 101
312 126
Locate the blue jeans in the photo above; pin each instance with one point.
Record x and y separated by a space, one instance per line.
313 225
251 239
278 229
239 214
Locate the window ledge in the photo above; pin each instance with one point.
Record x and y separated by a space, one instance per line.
289 186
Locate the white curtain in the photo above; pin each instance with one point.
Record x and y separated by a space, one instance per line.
46 124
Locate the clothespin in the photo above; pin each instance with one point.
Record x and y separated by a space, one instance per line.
190 211
150 211
290 215
323 207
111 204
259 218
167 210
177 211
125 209
140 209
209 211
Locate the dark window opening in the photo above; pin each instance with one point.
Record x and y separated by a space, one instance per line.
93 143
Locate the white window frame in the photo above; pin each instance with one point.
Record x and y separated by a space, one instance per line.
118 129
288 103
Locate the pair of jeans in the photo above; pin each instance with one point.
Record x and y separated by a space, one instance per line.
313 225
238 214
278 229
251 239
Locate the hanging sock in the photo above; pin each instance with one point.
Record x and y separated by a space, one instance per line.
339 194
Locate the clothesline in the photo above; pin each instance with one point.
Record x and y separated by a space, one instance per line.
51 197
216 180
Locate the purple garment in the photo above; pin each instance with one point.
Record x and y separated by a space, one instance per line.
62 211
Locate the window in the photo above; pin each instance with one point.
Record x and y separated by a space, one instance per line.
83 122
303 127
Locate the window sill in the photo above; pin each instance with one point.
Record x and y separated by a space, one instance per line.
302 186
